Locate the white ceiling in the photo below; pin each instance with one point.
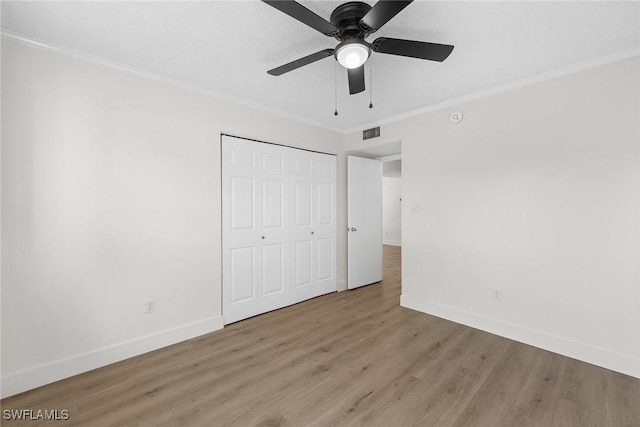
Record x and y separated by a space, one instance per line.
226 47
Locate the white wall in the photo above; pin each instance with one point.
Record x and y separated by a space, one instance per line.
110 197
391 210
534 193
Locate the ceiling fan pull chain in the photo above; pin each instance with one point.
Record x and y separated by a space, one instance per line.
335 80
370 86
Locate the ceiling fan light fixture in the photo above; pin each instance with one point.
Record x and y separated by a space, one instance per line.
352 53
351 23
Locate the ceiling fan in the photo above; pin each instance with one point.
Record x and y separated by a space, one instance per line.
351 23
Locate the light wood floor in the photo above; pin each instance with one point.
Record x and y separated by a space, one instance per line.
349 358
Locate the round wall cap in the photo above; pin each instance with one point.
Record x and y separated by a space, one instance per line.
455 117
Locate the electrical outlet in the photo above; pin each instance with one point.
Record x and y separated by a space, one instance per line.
496 294
150 306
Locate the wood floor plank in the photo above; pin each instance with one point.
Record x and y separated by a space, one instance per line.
498 396
621 403
348 358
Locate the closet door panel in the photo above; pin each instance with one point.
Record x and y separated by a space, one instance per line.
325 223
303 206
302 234
273 204
303 164
255 235
241 256
325 258
303 263
275 226
273 269
313 209
325 207
243 280
242 198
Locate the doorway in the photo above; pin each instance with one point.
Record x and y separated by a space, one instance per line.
390 157
392 202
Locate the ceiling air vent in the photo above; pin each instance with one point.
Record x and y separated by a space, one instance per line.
371 133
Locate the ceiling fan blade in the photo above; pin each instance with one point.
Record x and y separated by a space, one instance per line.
301 62
412 48
356 79
304 15
381 13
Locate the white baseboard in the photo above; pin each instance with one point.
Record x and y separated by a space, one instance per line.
17 382
618 362
391 243
411 303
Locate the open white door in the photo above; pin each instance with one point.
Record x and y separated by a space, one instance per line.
364 192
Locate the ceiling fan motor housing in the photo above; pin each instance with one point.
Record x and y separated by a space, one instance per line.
346 18
352 47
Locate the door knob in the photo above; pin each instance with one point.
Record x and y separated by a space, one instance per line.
354 229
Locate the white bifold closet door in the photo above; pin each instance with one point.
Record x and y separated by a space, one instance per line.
278 227
313 224
255 214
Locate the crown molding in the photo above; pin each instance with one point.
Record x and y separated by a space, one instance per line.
96 60
549 75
